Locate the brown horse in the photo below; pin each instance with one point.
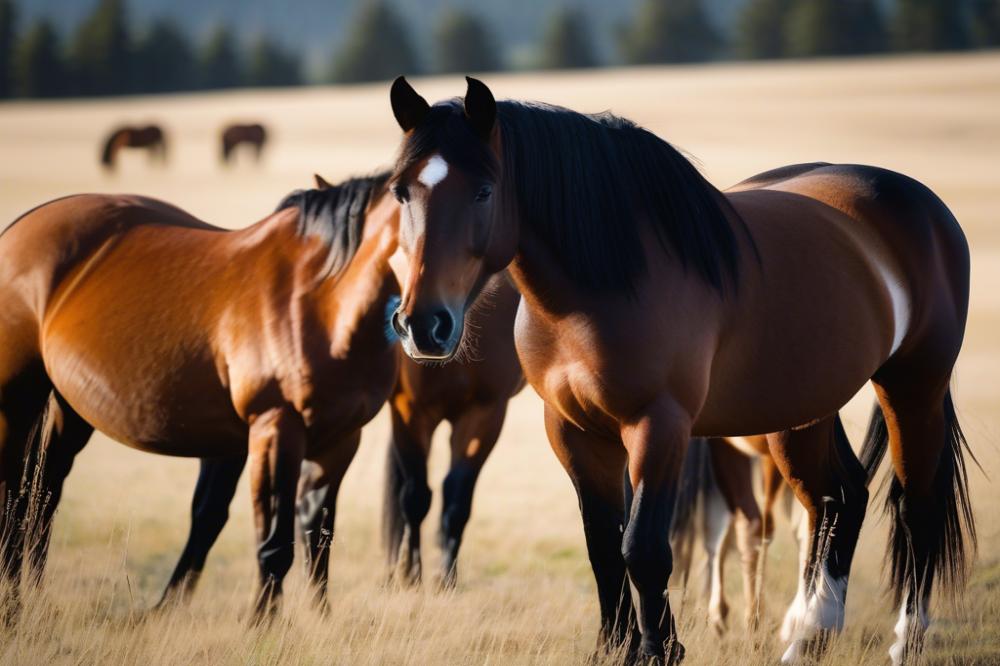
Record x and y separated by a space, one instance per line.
472 396
150 137
717 478
233 135
179 338
655 307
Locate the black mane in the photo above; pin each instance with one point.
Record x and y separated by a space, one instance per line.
584 183
336 215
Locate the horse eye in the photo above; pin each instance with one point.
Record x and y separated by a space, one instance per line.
484 193
401 192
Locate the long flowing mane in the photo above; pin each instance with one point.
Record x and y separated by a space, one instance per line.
585 184
336 215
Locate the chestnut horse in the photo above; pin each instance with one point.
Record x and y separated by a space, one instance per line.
655 307
233 135
176 337
472 396
150 137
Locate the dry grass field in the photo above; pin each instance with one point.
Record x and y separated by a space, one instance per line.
526 595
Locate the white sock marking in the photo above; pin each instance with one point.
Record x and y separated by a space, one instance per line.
907 627
434 171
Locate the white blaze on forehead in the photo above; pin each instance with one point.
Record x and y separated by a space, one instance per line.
434 171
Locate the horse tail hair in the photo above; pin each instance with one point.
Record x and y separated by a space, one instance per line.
876 442
940 543
23 505
393 521
696 480
110 148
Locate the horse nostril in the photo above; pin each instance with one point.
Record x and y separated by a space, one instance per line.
399 323
442 327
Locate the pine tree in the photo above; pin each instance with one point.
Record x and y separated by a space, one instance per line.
38 69
986 23
835 27
268 64
378 48
8 37
464 44
566 43
671 31
930 25
164 60
101 56
761 29
219 61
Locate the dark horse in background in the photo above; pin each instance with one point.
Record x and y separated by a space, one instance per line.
253 135
127 315
655 307
472 395
149 137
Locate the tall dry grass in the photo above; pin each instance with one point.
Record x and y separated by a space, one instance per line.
526 595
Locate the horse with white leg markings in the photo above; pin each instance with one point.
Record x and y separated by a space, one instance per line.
656 307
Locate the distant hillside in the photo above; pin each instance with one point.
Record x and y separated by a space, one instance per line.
317 26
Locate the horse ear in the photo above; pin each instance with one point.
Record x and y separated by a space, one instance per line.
480 107
321 183
409 108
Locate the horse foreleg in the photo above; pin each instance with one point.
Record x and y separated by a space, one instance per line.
596 465
276 448
656 441
408 497
317 509
217 482
829 481
473 436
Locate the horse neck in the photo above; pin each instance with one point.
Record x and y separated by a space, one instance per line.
537 276
354 296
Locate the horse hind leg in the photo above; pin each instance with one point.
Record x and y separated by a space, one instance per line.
734 472
932 531
830 483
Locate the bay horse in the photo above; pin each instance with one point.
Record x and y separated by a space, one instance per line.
128 315
253 135
656 307
149 137
472 396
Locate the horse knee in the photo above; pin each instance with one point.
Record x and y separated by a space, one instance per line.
416 501
648 558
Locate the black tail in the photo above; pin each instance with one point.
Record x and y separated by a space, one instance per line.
876 442
695 480
392 511
940 542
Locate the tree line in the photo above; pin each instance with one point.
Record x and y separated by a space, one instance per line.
104 55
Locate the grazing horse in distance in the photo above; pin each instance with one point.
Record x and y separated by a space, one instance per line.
233 135
656 307
127 315
150 137
472 396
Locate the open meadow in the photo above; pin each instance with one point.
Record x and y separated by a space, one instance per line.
526 594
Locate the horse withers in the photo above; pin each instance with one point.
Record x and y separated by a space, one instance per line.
127 315
655 307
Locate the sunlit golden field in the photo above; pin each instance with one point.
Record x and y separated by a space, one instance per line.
526 594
